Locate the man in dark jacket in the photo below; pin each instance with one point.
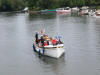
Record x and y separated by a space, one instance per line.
36 37
42 40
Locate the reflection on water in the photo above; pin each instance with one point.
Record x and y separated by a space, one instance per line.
81 37
52 64
43 16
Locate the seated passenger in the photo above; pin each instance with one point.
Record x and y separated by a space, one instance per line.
54 41
60 42
45 44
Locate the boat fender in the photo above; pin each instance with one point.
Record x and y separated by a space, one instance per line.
39 52
34 47
43 50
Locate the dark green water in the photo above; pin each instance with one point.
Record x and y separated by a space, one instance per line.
81 36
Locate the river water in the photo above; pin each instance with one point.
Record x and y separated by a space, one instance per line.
80 34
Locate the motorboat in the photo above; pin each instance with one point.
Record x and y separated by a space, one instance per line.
55 50
84 10
97 14
48 11
75 9
66 10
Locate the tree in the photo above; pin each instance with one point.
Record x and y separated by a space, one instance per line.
15 5
11 5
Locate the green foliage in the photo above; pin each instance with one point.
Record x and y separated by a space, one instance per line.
15 5
50 4
97 7
11 5
46 4
97 2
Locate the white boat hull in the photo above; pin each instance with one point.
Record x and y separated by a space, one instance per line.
63 11
52 52
96 16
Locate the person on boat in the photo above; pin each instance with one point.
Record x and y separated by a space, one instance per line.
45 37
50 40
36 37
42 41
42 32
54 41
45 44
60 42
